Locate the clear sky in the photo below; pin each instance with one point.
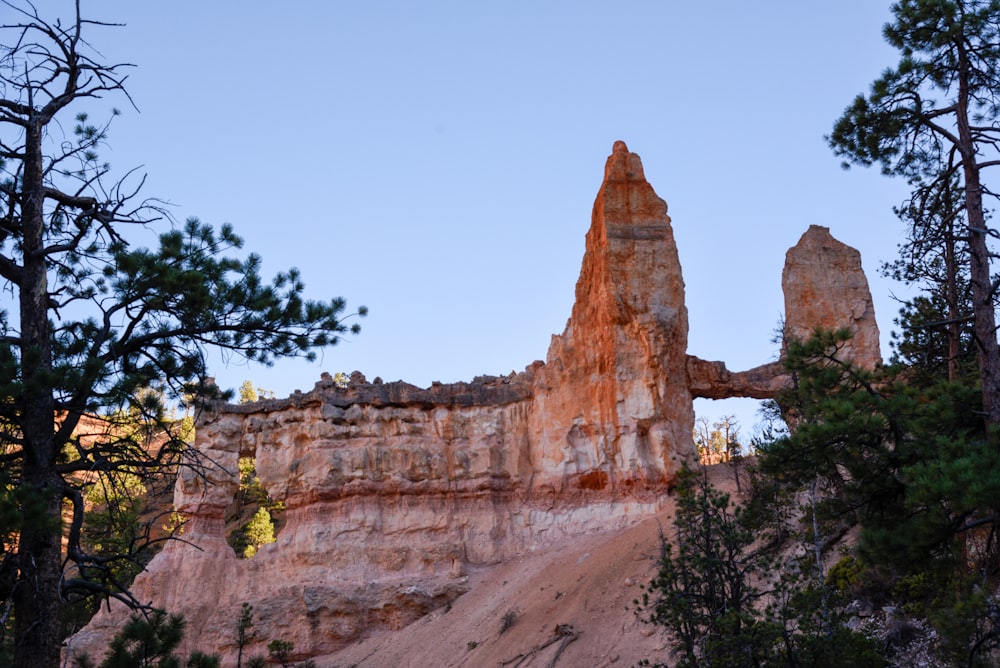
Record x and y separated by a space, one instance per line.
438 161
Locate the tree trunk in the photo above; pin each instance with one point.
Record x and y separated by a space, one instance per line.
36 599
951 299
984 316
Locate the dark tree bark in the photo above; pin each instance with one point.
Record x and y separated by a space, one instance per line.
39 546
67 235
984 314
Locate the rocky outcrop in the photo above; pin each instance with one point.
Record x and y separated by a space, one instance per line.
394 492
612 402
712 380
825 287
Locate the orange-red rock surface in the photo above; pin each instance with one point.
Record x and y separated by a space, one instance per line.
612 407
395 493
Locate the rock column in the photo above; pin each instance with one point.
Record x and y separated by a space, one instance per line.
613 408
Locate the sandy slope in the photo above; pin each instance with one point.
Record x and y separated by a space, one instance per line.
588 584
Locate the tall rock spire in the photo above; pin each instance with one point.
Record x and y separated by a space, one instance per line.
613 404
825 287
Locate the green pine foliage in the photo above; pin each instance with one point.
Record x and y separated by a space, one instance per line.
248 393
702 591
114 297
727 599
911 453
251 491
903 457
922 341
244 632
113 533
910 464
258 531
149 643
280 651
264 512
934 119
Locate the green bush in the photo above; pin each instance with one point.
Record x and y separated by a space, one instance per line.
148 643
280 650
258 531
722 561
845 575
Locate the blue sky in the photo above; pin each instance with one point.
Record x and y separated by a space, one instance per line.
438 161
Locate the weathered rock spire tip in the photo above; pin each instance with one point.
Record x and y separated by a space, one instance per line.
623 165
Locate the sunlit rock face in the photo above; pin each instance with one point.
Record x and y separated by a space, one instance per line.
394 492
613 410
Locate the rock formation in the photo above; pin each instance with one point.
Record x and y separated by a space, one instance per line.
813 300
825 288
612 403
394 492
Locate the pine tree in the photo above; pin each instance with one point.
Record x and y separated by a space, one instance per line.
726 597
911 465
933 119
258 531
103 313
936 337
248 394
149 643
704 591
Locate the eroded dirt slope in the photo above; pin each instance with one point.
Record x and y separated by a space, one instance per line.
584 587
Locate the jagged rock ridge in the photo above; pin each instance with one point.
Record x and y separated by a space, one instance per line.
393 492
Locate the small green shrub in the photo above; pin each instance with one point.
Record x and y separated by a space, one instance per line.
280 651
148 643
847 575
258 531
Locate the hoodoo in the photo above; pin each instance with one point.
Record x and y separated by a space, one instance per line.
825 287
612 399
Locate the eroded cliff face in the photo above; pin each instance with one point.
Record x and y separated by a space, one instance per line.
394 492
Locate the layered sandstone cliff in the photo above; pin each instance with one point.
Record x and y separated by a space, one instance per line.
394 492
